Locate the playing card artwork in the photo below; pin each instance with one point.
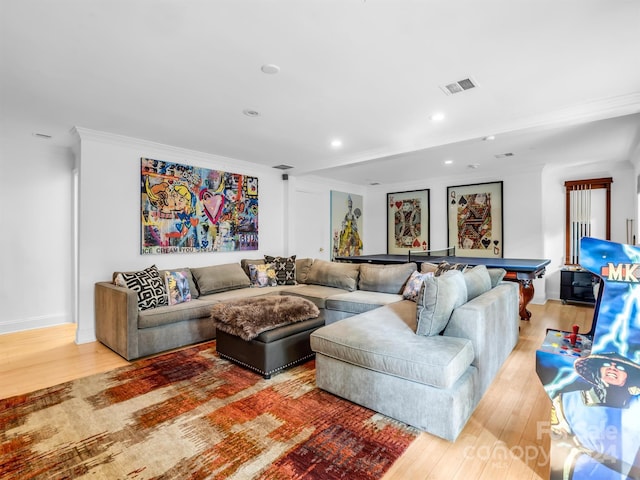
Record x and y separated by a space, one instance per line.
475 220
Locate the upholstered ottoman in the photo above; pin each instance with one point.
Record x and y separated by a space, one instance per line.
266 334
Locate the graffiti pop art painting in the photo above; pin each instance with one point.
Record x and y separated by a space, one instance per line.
192 209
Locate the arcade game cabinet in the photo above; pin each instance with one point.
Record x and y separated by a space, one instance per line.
593 378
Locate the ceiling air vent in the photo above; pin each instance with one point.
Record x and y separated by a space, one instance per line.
283 167
459 86
504 155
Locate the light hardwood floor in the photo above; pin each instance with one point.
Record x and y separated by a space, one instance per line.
505 437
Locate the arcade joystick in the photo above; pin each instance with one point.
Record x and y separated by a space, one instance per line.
573 337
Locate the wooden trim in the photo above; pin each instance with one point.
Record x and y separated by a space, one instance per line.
593 184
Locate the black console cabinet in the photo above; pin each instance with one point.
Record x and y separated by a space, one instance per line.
577 286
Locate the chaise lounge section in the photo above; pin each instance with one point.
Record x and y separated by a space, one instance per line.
432 382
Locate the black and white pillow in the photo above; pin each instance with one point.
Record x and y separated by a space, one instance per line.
148 284
285 268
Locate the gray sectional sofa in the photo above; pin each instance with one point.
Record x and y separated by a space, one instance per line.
135 333
368 350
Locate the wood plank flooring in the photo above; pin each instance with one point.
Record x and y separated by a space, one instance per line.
503 439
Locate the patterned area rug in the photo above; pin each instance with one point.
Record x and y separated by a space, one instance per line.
191 414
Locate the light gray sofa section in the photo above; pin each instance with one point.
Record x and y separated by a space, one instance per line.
434 383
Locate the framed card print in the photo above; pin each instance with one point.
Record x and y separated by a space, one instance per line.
407 221
474 219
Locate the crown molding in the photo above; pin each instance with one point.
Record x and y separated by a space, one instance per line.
151 149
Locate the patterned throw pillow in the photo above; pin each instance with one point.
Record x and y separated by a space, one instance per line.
262 275
446 266
148 284
177 286
285 268
414 284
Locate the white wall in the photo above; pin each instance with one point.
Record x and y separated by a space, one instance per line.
623 206
309 216
522 214
36 243
35 239
109 217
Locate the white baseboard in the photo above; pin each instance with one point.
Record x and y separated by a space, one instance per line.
22 324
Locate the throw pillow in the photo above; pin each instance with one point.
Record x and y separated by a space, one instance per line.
220 278
262 275
477 280
177 285
334 274
438 298
385 278
446 266
427 267
148 284
496 274
414 284
285 269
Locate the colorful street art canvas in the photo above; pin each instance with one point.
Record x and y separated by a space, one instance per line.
193 209
346 224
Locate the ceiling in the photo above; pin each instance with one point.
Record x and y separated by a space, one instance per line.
557 81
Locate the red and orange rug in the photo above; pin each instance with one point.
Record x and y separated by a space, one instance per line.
191 414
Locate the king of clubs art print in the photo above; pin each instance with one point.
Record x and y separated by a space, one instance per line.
192 209
475 219
407 221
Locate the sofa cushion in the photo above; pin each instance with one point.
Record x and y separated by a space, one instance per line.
477 280
385 278
148 284
384 340
218 278
333 274
318 294
262 275
360 301
437 299
165 315
177 286
496 275
414 285
285 268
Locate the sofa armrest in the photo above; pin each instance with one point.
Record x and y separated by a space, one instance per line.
492 322
116 313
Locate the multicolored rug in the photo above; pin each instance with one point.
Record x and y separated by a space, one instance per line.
191 414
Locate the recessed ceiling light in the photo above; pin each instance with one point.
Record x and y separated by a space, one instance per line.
337 143
448 162
251 113
489 137
437 117
473 165
270 69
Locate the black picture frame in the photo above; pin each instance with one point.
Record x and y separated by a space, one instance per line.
408 221
475 220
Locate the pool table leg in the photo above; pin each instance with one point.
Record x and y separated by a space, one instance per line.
526 292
